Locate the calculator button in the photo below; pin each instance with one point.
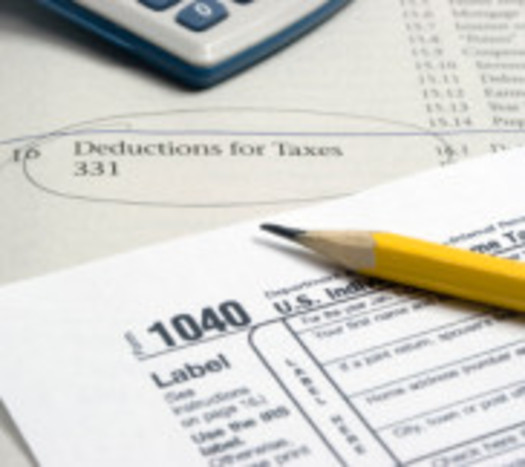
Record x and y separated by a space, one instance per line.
159 5
202 14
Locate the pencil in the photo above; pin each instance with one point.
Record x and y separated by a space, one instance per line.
448 270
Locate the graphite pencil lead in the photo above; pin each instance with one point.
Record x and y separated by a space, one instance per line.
281 231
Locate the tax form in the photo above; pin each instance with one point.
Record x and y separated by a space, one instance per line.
233 349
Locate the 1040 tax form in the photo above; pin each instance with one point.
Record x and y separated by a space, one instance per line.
220 350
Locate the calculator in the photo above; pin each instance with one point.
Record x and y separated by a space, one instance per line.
199 42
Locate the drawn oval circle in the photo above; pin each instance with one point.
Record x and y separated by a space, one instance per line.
227 157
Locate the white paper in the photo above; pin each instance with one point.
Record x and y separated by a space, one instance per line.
232 348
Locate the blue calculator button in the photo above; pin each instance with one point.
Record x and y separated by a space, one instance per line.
202 14
159 5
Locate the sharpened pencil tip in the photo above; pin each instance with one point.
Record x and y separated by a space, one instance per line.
281 231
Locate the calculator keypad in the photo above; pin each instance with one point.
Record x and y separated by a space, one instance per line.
205 33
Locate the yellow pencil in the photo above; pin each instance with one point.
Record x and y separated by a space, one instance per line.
448 270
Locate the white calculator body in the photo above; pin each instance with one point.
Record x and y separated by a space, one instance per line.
200 42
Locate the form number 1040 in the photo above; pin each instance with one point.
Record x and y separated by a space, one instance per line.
227 316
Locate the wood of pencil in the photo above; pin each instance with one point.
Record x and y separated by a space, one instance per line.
452 271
